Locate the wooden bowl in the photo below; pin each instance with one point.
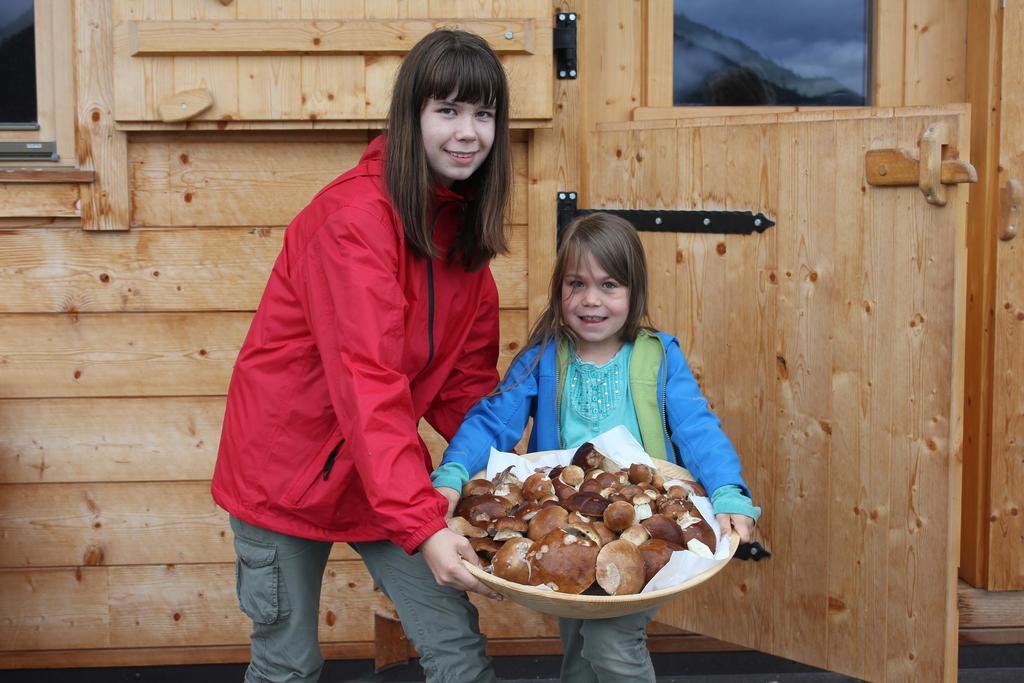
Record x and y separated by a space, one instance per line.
597 606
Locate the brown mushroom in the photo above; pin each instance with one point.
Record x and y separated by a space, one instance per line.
640 474
477 487
576 518
511 492
509 527
527 511
463 527
590 504
563 490
656 553
485 547
642 505
619 515
564 561
547 520
483 510
635 534
631 491
620 568
675 490
537 486
660 526
591 486
587 457
510 561
702 533
675 508
604 533
584 530
571 475
691 487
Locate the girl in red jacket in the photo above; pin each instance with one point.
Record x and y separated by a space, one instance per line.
380 310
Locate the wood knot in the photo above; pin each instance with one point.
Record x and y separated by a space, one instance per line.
188 197
720 248
104 278
184 158
330 618
95 116
780 362
93 556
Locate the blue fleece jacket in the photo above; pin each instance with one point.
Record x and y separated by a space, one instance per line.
693 435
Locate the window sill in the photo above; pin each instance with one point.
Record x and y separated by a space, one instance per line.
46 175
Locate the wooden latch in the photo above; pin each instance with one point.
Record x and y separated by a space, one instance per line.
931 171
184 105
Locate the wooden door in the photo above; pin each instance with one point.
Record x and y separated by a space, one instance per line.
1006 491
831 348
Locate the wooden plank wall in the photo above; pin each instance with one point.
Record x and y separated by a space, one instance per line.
117 349
299 85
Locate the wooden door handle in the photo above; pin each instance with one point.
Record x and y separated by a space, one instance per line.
930 171
1010 198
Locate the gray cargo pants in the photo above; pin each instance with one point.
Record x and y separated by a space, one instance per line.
606 650
278 578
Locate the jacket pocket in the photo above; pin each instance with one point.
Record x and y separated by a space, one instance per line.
258 582
318 470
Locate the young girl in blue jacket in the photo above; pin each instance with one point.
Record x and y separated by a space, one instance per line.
593 363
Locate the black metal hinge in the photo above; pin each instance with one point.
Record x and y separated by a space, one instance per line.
565 45
658 220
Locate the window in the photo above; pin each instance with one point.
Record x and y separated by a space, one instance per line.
765 52
18 64
37 101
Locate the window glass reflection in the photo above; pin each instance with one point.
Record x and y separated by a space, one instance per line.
750 52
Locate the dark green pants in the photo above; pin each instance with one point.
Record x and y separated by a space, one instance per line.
279 579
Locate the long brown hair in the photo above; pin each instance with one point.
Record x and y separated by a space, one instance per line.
445 62
615 245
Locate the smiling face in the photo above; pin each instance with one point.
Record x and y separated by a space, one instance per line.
457 137
595 307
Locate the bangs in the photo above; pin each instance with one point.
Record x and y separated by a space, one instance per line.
463 72
610 257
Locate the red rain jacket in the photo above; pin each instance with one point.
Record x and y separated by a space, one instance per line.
355 339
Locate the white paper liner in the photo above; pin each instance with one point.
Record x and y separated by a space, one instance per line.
619 445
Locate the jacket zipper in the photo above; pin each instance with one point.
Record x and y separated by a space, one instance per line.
670 449
559 382
330 460
430 312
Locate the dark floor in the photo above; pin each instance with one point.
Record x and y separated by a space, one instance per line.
978 664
